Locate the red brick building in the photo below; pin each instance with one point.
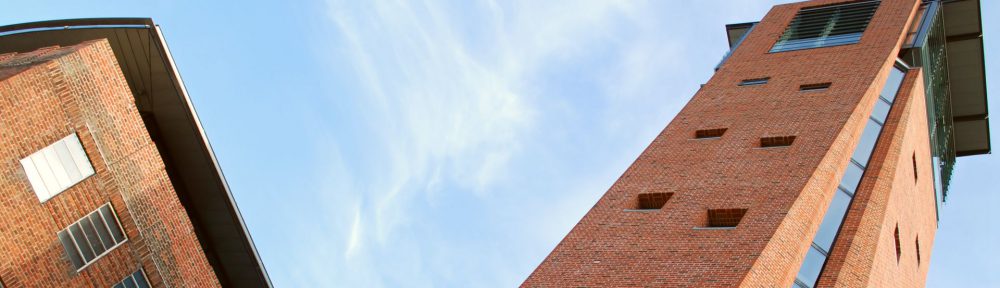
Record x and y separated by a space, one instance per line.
816 156
106 178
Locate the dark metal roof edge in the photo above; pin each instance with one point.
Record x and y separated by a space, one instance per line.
69 23
208 147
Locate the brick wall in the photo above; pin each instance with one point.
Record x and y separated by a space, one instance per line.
785 190
80 89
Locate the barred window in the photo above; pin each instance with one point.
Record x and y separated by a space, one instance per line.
134 280
827 26
92 236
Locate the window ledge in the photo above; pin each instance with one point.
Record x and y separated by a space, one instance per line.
641 210
713 228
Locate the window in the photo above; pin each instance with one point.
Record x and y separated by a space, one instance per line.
827 26
135 280
92 236
755 81
914 167
815 87
899 251
57 167
823 241
709 133
917 244
652 201
720 218
780 141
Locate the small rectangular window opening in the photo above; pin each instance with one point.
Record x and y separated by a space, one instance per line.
652 201
779 141
918 250
899 251
815 87
718 218
709 133
755 81
915 167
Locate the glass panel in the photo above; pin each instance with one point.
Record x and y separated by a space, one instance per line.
81 242
892 84
852 176
811 267
71 252
881 111
140 279
119 285
112 222
36 180
95 242
79 156
67 162
831 222
867 143
129 283
57 169
102 230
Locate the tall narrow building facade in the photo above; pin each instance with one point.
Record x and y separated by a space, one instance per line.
106 178
816 156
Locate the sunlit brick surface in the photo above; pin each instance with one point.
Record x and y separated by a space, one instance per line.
46 95
785 189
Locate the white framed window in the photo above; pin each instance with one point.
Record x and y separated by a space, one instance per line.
57 167
91 237
135 280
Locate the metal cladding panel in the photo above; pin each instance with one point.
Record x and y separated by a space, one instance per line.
967 72
172 123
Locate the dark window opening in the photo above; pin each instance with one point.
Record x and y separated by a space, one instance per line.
899 251
815 87
755 81
826 26
652 201
779 141
709 133
918 250
725 217
915 167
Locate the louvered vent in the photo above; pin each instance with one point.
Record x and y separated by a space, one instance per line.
827 26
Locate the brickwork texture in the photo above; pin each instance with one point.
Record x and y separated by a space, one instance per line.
784 189
46 95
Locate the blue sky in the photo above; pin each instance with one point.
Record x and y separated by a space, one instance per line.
453 143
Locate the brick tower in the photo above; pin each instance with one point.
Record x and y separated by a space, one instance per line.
816 156
106 179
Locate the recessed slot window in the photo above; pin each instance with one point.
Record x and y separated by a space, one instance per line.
57 167
815 86
899 250
917 243
826 26
779 141
652 201
134 280
755 81
725 218
91 237
914 166
709 133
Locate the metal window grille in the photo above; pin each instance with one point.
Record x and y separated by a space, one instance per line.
91 237
827 26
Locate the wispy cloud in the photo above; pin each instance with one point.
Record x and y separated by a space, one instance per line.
457 109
